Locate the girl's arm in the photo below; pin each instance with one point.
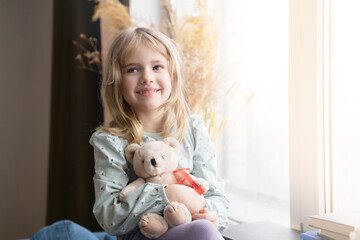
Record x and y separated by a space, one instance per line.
111 176
205 159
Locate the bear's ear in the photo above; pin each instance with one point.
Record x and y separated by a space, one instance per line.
130 151
173 142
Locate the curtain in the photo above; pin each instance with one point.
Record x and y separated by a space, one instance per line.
75 112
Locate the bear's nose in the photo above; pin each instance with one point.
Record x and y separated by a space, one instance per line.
153 162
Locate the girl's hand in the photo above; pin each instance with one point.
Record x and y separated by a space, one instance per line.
205 214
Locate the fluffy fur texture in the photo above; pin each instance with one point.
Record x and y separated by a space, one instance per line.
155 162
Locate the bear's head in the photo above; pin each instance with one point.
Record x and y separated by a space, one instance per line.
153 158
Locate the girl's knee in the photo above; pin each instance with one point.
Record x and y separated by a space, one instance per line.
204 229
202 223
64 229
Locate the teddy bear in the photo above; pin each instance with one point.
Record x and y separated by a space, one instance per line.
156 162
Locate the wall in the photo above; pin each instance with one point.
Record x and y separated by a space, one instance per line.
25 67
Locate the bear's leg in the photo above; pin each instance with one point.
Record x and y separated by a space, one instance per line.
153 225
176 213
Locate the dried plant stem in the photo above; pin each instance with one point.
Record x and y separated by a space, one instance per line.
115 13
198 37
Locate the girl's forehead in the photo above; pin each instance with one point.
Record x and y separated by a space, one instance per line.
129 51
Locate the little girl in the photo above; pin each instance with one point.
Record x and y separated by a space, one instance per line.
143 89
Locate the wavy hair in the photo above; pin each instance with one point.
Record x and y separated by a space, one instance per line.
125 122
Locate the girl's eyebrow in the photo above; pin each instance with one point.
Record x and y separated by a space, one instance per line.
159 61
152 62
129 64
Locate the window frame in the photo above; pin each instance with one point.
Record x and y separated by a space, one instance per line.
309 118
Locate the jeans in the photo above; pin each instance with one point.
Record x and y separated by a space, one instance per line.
68 230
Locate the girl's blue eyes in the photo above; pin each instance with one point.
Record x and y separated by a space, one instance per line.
158 68
132 70
135 70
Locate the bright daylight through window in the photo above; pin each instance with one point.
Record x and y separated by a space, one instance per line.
345 102
255 155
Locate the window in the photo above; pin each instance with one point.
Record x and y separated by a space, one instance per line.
295 144
256 157
345 102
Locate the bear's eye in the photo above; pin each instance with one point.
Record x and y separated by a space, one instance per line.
163 157
143 161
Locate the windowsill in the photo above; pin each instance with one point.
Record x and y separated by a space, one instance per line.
258 207
260 230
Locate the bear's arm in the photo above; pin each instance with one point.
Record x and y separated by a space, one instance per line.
131 187
112 174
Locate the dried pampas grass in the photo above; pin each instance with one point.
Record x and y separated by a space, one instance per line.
115 13
198 37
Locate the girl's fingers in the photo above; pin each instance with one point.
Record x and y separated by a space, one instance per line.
207 216
204 210
197 216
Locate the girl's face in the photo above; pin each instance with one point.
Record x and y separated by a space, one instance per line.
146 80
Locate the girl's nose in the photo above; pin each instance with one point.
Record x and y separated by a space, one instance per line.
147 77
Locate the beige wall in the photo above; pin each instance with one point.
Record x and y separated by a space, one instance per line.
25 78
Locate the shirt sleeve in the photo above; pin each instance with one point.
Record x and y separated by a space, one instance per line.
111 176
205 166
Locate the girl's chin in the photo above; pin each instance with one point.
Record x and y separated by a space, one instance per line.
149 108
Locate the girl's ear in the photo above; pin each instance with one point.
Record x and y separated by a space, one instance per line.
173 142
130 151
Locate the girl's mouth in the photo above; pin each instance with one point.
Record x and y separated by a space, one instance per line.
147 92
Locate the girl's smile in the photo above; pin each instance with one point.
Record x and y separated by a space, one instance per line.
146 82
147 92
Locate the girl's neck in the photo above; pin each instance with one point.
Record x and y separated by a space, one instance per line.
151 122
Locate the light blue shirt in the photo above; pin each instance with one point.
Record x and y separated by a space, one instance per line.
113 173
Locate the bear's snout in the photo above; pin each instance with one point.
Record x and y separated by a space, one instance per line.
153 162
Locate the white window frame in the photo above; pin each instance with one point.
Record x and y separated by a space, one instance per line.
309 94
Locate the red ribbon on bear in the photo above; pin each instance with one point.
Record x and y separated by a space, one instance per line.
187 177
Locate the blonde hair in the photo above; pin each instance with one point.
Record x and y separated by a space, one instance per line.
125 122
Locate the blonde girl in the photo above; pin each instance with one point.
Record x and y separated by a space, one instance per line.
143 90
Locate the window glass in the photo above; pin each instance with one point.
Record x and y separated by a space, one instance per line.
345 102
256 141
